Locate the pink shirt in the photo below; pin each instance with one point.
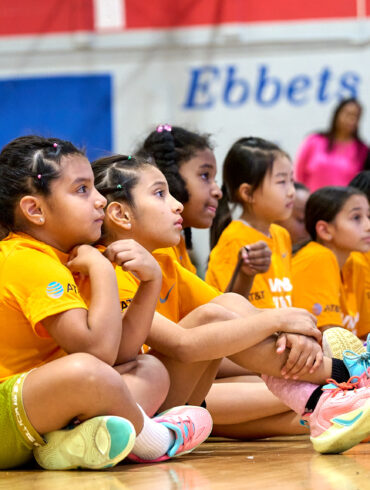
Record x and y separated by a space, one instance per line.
315 167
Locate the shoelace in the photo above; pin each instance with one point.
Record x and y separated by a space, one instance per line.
363 359
351 384
183 422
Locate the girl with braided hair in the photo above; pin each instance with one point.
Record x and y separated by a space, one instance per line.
67 354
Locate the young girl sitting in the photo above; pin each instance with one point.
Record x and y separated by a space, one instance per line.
50 207
140 208
337 219
361 260
257 175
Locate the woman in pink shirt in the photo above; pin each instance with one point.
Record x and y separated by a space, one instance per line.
333 157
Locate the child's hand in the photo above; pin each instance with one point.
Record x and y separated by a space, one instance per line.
256 258
296 320
305 355
132 257
82 258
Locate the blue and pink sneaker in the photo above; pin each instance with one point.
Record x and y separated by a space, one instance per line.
191 425
358 363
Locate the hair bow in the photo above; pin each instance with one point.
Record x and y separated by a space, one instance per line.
163 127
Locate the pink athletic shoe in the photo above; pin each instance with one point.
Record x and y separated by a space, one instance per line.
191 425
341 418
364 379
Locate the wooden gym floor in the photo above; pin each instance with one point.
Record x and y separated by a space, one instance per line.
287 463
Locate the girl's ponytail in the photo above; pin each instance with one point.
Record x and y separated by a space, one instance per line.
222 218
171 146
161 145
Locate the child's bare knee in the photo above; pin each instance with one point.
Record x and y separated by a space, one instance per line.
87 370
212 312
155 370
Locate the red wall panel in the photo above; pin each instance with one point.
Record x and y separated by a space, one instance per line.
19 17
168 13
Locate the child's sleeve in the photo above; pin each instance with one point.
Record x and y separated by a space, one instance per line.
316 287
127 287
193 291
222 263
40 286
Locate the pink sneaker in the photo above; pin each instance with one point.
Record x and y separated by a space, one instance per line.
341 418
364 382
364 379
191 425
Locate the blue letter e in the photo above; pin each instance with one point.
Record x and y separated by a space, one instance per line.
199 96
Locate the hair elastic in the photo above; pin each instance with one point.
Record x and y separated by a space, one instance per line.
163 127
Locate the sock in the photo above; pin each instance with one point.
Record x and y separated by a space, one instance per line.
154 440
295 394
314 398
339 372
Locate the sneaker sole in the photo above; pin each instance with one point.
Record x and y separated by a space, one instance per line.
346 431
100 442
335 340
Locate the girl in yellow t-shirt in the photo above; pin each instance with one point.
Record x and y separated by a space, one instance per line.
57 296
362 182
258 176
325 281
140 208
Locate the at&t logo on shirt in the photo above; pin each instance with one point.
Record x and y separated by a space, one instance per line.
54 290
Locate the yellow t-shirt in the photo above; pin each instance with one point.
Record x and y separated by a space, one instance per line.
181 292
180 254
272 289
34 284
321 288
356 273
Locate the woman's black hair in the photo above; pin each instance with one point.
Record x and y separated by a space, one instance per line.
248 161
324 204
28 165
331 132
171 146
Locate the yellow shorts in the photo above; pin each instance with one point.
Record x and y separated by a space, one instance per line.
17 435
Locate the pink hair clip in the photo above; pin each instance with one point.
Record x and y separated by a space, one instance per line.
163 127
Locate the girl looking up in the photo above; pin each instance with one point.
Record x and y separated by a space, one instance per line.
192 336
258 176
51 209
362 261
337 219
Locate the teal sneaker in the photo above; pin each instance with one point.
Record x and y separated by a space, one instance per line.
100 442
357 364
